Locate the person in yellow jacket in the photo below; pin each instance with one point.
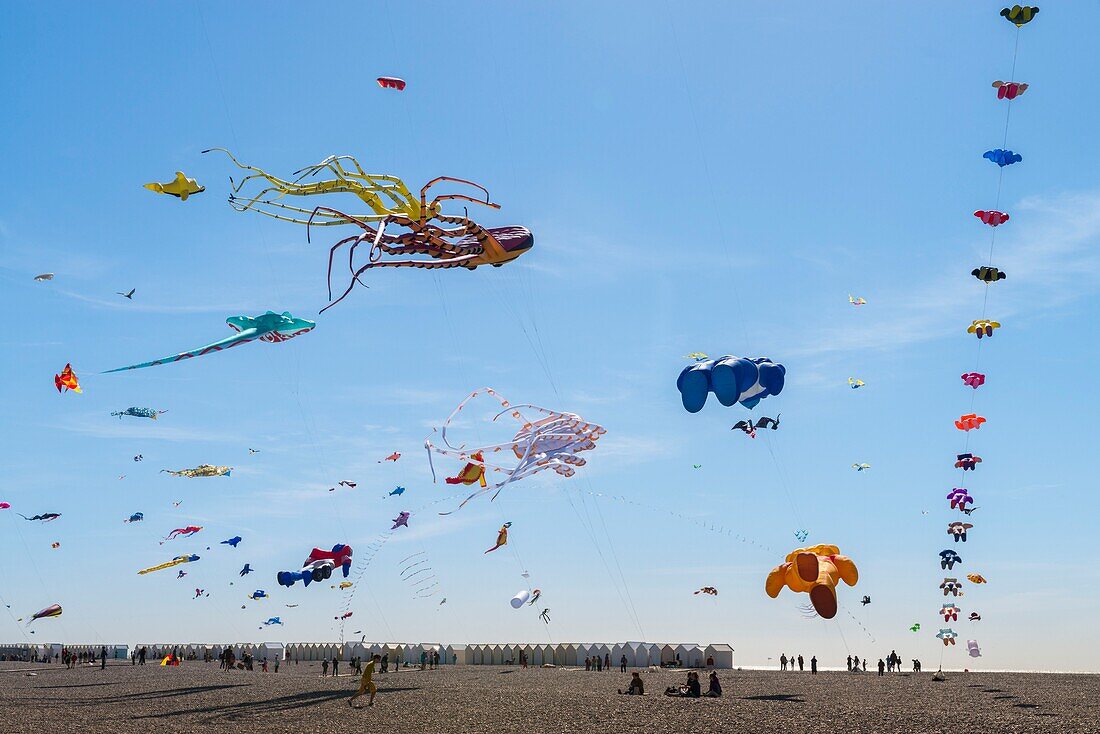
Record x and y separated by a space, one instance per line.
366 684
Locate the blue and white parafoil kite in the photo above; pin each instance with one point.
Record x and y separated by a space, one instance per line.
732 380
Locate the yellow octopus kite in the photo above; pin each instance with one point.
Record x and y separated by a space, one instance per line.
815 570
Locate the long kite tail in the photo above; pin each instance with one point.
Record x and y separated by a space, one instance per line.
230 341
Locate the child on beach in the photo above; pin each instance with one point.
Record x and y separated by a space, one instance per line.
637 688
366 684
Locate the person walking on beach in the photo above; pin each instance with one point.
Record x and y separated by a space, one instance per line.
102 657
141 655
800 668
324 668
881 667
783 661
365 683
849 663
607 661
622 663
385 662
855 663
813 665
864 665
335 666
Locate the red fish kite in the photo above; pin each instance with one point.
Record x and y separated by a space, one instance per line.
392 457
67 380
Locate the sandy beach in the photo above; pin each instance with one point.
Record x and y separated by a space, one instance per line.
124 698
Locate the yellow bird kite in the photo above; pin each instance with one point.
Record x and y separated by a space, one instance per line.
856 301
855 383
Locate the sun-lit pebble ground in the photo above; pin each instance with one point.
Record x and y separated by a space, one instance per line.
124 698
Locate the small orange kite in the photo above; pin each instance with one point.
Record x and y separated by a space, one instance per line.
67 380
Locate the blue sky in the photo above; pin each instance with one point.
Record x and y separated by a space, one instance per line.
711 178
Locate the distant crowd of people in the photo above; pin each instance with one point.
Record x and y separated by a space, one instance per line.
891 664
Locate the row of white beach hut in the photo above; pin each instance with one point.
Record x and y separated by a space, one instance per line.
569 654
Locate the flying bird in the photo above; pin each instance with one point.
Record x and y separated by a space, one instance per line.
129 295
861 467
246 570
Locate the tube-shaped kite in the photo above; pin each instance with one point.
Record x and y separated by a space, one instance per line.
174 562
267 327
188 530
140 413
972 649
815 570
53 610
520 599
202 470
732 380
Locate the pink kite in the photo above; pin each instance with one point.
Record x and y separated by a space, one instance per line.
969 422
992 218
1009 90
959 498
189 530
973 379
5 506
392 82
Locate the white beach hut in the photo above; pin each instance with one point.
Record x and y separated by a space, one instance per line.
722 655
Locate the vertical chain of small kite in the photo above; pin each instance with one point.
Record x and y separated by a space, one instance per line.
992 246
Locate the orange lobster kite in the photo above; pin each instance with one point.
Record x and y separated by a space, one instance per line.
467 244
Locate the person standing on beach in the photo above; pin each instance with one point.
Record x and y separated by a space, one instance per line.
864 665
102 657
813 665
365 683
855 663
800 668
324 668
335 666
849 663
607 661
385 662
599 664
881 667
783 661
587 664
622 663
141 655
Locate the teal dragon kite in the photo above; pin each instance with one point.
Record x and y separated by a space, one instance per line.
140 413
268 327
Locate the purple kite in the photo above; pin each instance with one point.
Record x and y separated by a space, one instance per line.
401 519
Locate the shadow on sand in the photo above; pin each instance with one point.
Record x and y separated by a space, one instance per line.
274 705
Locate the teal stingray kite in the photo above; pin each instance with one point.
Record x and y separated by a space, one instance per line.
140 413
268 327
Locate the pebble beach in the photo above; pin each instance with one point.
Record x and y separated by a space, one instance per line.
125 698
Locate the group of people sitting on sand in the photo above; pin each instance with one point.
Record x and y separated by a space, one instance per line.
690 689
